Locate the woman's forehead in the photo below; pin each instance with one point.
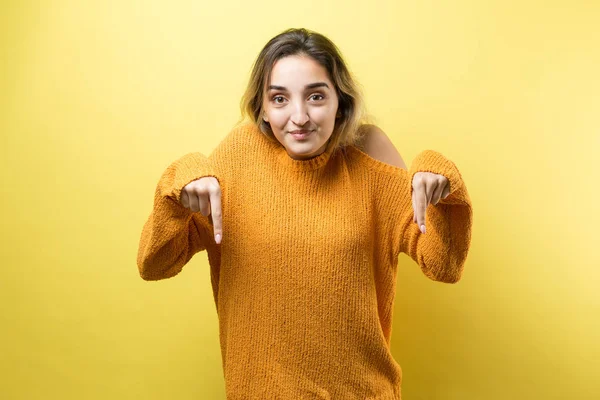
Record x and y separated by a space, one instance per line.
295 72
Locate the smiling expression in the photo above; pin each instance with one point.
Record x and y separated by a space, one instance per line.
300 96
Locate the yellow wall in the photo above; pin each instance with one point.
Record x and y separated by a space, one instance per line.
98 97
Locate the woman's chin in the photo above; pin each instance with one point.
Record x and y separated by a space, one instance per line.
298 154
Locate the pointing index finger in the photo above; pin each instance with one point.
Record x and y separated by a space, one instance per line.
421 199
215 211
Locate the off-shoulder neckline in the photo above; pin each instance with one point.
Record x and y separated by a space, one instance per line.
374 163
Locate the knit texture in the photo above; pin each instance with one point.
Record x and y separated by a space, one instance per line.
304 278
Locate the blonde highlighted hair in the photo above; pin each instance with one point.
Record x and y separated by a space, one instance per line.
303 42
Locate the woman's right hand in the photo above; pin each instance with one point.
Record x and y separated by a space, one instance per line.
204 195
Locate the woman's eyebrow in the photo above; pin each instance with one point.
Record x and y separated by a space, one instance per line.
309 86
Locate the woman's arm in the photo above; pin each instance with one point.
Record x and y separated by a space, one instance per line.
379 146
172 233
442 251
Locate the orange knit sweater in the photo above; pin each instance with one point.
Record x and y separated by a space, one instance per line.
304 278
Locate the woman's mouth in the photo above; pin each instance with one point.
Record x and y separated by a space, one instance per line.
300 134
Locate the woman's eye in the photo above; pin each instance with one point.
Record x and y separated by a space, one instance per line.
319 97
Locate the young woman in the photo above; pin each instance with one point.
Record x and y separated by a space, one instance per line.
303 215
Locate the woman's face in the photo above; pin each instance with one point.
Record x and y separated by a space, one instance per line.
300 96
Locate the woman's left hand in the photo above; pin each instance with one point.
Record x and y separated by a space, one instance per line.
427 188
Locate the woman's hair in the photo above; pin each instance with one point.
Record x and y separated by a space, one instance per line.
303 42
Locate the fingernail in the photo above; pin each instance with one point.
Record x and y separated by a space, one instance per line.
423 228
218 238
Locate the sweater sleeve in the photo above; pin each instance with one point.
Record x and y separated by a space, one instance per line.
441 252
172 233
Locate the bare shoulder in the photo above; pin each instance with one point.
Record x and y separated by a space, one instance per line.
378 145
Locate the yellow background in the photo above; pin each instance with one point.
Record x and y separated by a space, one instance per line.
98 97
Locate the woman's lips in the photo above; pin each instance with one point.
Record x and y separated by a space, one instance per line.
300 134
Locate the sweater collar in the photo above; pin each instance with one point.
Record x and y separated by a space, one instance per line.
284 159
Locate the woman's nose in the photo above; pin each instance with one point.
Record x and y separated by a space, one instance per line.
300 115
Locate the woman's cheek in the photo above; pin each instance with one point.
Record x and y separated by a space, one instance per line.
278 117
324 113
